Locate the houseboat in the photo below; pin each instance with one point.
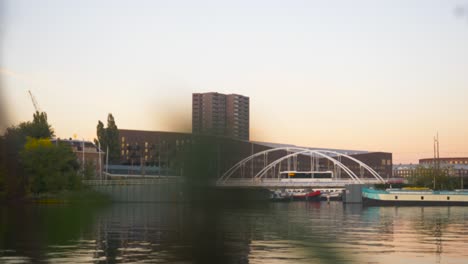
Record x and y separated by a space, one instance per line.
414 197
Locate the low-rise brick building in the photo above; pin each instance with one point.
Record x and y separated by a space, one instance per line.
160 149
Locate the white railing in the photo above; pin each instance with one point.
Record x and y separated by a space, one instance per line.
127 181
276 183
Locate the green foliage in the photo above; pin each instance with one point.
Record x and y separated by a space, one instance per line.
15 182
30 163
15 136
2 171
424 177
113 139
49 167
89 172
38 128
109 138
101 134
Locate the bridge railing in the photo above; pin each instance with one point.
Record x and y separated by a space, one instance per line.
280 184
159 180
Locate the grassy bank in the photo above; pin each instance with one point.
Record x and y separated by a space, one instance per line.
83 196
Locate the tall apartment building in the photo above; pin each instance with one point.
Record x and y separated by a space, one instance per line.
221 115
237 116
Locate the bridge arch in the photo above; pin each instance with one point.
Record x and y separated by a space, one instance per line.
367 167
335 162
327 154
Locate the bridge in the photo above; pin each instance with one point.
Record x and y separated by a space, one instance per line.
260 170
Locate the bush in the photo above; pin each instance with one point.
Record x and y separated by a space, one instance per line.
49 167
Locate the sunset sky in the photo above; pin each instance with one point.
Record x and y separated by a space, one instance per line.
366 75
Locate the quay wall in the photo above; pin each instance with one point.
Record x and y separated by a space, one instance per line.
154 190
142 192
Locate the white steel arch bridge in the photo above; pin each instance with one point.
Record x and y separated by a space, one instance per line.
267 169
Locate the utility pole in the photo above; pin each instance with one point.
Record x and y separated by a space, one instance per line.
252 162
159 156
100 162
83 158
436 163
107 162
438 157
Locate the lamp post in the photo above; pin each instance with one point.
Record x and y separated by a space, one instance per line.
83 156
107 162
100 162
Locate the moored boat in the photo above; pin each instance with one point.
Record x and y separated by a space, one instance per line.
413 197
304 194
280 196
331 196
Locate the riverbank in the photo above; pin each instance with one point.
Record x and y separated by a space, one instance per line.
82 196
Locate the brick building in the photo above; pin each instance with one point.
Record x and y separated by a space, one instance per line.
220 115
161 149
455 167
86 152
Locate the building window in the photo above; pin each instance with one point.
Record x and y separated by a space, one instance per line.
123 139
422 197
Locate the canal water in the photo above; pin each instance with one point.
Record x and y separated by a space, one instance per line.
295 232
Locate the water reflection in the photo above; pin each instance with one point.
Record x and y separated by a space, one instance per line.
298 232
28 231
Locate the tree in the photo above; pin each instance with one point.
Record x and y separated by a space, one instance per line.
12 171
101 134
49 167
89 171
2 168
113 139
40 127
109 138
13 176
424 177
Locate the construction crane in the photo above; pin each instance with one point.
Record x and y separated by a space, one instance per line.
34 101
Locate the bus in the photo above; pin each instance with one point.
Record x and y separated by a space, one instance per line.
304 176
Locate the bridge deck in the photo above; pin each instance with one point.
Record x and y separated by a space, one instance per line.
293 184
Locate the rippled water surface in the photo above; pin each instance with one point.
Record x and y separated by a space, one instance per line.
296 232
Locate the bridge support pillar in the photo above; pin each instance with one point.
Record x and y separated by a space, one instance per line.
353 193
